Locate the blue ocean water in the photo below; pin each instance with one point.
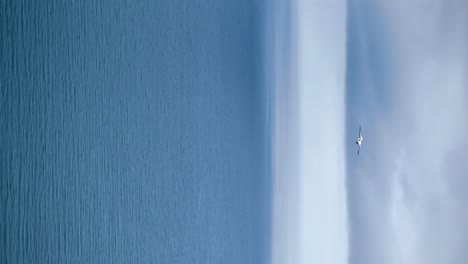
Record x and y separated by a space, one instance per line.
134 132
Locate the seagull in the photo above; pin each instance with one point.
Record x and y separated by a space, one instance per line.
359 140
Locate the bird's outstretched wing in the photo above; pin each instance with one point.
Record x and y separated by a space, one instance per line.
359 149
359 130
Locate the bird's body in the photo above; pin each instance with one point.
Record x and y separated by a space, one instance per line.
359 140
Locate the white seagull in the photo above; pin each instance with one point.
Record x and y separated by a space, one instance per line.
359 140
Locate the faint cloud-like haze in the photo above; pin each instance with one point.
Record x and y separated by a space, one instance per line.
407 198
399 68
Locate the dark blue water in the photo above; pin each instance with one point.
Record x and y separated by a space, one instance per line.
134 132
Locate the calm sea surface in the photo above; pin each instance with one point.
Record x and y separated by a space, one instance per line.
134 132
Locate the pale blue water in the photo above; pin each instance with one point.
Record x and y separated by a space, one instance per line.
134 132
